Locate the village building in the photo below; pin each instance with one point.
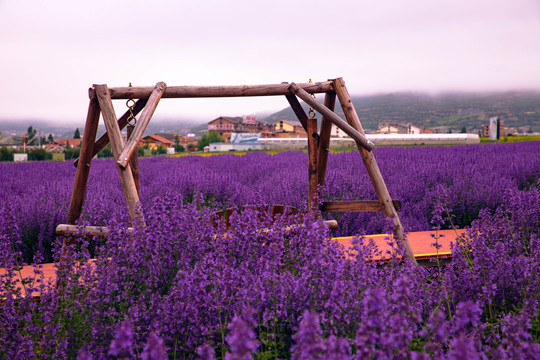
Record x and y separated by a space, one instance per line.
69 143
225 126
185 140
289 129
388 128
154 142
485 131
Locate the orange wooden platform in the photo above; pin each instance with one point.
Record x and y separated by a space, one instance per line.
421 244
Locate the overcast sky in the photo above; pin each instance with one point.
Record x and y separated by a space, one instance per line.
52 51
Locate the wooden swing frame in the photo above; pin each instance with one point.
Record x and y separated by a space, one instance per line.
125 154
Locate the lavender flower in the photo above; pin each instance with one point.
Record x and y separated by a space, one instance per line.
122 344
308 341
206 352
154 349
241 340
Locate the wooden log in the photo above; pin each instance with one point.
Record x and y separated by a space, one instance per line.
330 115
312 164
371 166
324 138
83 170
76 230
297 109
134 161
332 224
143 92
122 122
141 125
81 175
117 144
356 206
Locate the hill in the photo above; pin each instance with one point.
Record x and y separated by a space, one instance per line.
453 110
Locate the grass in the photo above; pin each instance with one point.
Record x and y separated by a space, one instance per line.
512 138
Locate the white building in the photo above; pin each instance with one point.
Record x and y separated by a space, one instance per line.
378 140
222 147
20 157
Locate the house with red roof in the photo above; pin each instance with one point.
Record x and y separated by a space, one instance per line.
156 141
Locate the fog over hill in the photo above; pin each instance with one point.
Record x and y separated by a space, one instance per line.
455 110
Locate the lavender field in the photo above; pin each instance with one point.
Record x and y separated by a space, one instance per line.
182 287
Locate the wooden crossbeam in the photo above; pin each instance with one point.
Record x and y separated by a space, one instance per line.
356 206
122 123
178 92
330 115
141 125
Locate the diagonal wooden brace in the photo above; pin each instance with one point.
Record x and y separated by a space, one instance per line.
297 108
332 117
115 137
141 125
372 168
122 123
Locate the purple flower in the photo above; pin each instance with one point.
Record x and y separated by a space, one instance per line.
83 355
337 348
241 340
154 349
308 341
122 344
206 352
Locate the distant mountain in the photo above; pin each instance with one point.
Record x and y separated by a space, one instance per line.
453 110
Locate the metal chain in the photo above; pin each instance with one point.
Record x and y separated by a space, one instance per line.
312 112
131 120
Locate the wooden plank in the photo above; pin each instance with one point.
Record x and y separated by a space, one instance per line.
143 92
297 109
122 123
141 125
330 115
83 170
312 164
371 166
324 138
356 206
76 230
134 161
117 144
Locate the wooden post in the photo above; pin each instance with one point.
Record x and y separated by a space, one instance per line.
122 122
141 125
81 177
324 140
330 115
312 165
134 161
117 144
372 167
83 169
